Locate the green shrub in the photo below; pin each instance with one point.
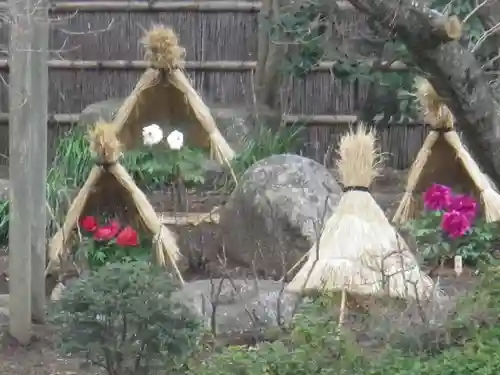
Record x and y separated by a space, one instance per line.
314 344
150 166
473 240
4 221
157 166
123 319
72 157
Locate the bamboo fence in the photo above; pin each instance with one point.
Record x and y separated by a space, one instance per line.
96 56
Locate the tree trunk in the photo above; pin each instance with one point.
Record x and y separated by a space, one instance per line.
269 57
453 71
489 50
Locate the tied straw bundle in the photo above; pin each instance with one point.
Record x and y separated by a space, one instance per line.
166 57
359 250
106 149
438 156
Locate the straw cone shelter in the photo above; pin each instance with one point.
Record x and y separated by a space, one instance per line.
164 94
359 251
444 159
110 190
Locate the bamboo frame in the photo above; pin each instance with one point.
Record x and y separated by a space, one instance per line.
188 218
61 119
221 65
444 159
164 242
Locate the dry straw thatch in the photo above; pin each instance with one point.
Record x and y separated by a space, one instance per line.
444 159
110 189
164 94
359 250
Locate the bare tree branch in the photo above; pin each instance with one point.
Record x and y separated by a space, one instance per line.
453 71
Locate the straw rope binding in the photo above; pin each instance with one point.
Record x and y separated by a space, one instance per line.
358 249
104 144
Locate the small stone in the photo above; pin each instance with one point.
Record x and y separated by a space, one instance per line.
241 305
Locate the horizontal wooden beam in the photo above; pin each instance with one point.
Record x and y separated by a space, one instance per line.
190 65
312 120
188 218
162 6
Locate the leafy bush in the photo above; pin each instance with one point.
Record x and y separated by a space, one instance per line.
313 346
448 227
156 166
72 157
122 318
4 221
111 243
150 166
314 343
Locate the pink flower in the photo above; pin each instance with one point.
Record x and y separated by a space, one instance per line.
455 224
464 204
437 197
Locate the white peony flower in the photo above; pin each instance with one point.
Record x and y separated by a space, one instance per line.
175 140
152 135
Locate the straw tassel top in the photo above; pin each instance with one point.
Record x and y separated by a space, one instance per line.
436 113
358 159
163 50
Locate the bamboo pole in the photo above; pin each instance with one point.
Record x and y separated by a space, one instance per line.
167 6
308 120
190 65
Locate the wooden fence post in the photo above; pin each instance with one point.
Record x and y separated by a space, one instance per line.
28 153
39 72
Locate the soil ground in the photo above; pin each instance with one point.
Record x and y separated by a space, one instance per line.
41 358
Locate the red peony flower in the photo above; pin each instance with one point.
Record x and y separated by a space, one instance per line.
88 223
455 224
437 197
464 204
107 232
127 237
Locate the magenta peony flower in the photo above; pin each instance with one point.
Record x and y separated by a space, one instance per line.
455 224
464 204
437 197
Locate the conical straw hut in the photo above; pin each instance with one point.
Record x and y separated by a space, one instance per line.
444 159
359 250
164 96
110 190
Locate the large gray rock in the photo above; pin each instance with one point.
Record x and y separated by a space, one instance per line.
240 305
276 212
104 110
